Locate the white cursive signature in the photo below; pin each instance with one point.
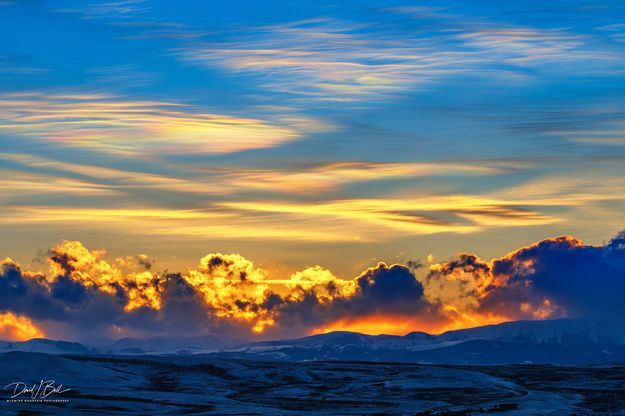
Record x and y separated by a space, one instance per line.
43 389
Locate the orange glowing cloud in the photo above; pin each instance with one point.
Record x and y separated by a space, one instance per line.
233 288
321 283
472 291
88 267
229 290
18 328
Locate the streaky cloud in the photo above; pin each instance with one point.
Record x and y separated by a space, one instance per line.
133 128
339 61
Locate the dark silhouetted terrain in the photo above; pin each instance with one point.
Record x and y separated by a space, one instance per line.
198 385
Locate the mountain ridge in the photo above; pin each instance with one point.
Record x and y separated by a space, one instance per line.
557 341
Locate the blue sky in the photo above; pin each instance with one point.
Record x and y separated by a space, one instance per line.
303 133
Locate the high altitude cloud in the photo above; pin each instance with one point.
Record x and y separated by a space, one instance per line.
333 60
130 128
84 292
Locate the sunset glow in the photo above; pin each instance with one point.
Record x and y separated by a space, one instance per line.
323 207
18 328
377 325
264 172
228 292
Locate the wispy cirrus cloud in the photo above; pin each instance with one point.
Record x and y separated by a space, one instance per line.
615 31
331 60
114 180
126 127
584 191
427 214
220 180
274 204
528 46
323 59
233 202
136 18
185 224
332 221
115 9
333 176
597 133
17 184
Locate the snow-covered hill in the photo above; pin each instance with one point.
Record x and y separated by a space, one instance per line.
560 331
47 346
127 346
205 384
171 345
552 341
560 341
343 340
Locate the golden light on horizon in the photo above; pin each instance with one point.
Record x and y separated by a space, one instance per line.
15 327
229 289
377 325
471 320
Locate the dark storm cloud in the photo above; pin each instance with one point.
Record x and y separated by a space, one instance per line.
381 290
27 294
583 280
389 285
67 290
551 278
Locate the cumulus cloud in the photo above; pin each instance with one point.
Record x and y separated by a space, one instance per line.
226 292
389 286
322 300
83 293
551 278
574 278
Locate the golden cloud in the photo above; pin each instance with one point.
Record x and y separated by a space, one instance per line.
543 280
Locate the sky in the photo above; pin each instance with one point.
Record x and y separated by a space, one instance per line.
317 147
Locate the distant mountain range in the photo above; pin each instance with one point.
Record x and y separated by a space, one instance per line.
128 346
559 341
563 341
171 345
47 346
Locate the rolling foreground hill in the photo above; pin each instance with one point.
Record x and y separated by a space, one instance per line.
339 373
202 385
